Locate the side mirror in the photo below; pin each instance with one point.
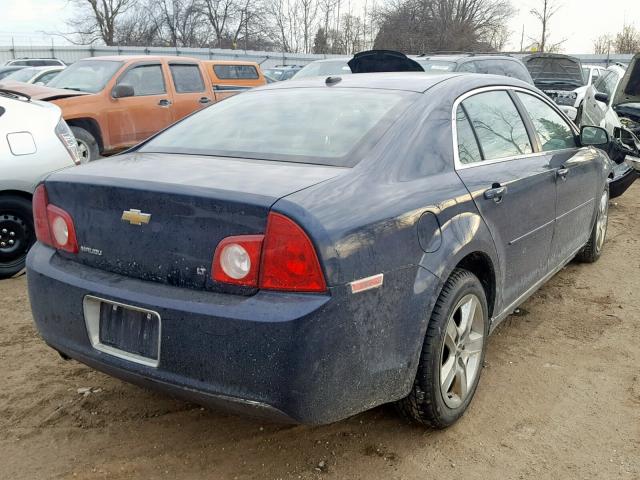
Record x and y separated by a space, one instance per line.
122 91
596 136
602 97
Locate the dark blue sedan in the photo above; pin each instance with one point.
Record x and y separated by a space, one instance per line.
315 248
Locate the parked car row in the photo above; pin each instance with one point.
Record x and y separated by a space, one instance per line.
114 102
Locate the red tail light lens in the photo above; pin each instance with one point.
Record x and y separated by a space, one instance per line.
289 260
40 220
237 260
282 259
54 226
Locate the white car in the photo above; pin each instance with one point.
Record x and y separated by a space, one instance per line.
35 75
34 141
599 106
36 62
591 73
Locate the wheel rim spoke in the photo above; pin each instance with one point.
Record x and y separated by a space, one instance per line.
462 348
449 371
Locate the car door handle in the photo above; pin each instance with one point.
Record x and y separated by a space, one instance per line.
562 173
495 193
164 102
204 100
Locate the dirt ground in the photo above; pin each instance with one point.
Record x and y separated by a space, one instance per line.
559 399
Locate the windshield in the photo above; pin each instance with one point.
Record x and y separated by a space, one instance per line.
86 75
22 75
314 69
437 66
325 126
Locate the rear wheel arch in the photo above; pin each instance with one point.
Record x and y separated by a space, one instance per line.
16 193
480 264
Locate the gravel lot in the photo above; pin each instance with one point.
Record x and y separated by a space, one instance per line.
559 399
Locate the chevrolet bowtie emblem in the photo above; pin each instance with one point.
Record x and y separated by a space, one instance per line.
135 217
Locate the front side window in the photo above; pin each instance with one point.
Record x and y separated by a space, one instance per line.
468 150
309 125
498 125
552 131
187 78
236 72
47 77
145 80
607 83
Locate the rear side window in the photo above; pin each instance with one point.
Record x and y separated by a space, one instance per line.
607 83
324 126
498 125
187 78
236 72
468 150
145 80
552 131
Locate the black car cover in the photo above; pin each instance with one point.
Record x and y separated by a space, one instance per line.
372 61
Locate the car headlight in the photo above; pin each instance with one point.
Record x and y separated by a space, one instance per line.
69 141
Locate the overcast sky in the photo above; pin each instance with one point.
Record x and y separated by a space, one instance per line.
577 21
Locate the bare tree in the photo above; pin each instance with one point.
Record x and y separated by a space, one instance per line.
419 26
627 40
544 14
602 44
220 13
97 20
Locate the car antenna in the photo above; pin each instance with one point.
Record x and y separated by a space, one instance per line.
332 80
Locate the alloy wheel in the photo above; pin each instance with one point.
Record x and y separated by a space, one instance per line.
462 350
602 221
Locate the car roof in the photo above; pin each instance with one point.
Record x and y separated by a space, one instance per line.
334 59
230 62
463 56
407 81
150 58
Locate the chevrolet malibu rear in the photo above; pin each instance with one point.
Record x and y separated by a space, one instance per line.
315 248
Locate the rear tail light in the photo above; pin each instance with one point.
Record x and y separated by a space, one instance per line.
237 260
53 225
289 261
282 259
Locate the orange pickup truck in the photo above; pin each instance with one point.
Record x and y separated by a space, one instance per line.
114 102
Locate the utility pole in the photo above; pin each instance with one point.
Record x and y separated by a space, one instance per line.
522 40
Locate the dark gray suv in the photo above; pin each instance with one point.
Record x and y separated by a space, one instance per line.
504 65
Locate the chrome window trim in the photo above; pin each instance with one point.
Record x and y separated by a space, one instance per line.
458 165
91 311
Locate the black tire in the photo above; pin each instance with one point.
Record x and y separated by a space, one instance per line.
426 404
592 251
87 145
16 234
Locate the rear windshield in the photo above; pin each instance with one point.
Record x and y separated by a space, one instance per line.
236 72
22 75
327 126
437 66
334 67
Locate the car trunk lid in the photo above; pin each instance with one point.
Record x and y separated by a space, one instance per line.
159 217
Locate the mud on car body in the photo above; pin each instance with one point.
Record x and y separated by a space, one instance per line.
341 243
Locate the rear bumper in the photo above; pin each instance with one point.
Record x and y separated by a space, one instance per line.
292 357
